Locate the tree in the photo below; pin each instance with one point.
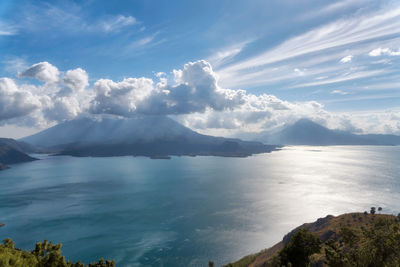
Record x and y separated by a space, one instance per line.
334 256
349 236
373 210
376 246
380 209
299 249
8 243
45 254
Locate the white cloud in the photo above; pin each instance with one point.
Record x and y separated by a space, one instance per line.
76 79
42 71
69 18
227 53
346 59
14 101
332 8
116 23
339 33
15 65
343 78
144 42
62 108
299 72
41 105
316 44
160 74
120 98
196 90
193 97
339 92
7 29
384 51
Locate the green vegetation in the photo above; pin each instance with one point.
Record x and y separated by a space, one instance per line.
45 254
355 239
298 251
376 246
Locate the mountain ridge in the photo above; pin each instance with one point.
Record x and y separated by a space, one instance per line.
12 152
307 132
138 136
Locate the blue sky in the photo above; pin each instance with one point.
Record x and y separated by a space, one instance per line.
344 55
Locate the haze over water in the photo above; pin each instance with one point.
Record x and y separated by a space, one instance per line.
189 210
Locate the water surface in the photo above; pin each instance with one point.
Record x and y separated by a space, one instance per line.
189 210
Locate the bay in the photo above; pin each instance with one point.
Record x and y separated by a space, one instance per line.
189 210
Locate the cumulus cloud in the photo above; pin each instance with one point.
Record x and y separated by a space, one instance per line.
56 100
192 96
42 71
14 101
195 90
160 74
62 108
76 79
120 98
384 51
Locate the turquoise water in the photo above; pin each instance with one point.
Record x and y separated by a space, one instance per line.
189 210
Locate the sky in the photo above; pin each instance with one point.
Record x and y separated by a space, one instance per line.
218 67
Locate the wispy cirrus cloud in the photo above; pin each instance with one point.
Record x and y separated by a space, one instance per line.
14 65
70 19
142 41
319 43
332 8
7 29
344 78
118 22
225 54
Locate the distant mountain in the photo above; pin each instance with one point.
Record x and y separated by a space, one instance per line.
152 136
11 155
18 145
307 132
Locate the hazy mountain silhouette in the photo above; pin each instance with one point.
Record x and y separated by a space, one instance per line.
139 136
18 145
307 132
12 151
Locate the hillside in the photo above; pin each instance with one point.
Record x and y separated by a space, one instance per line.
151 136
307 132
10 155
334 233
18 145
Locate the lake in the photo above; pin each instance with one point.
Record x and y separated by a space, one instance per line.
189 210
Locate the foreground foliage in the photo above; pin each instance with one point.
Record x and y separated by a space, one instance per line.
353 239
376 246
45 254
